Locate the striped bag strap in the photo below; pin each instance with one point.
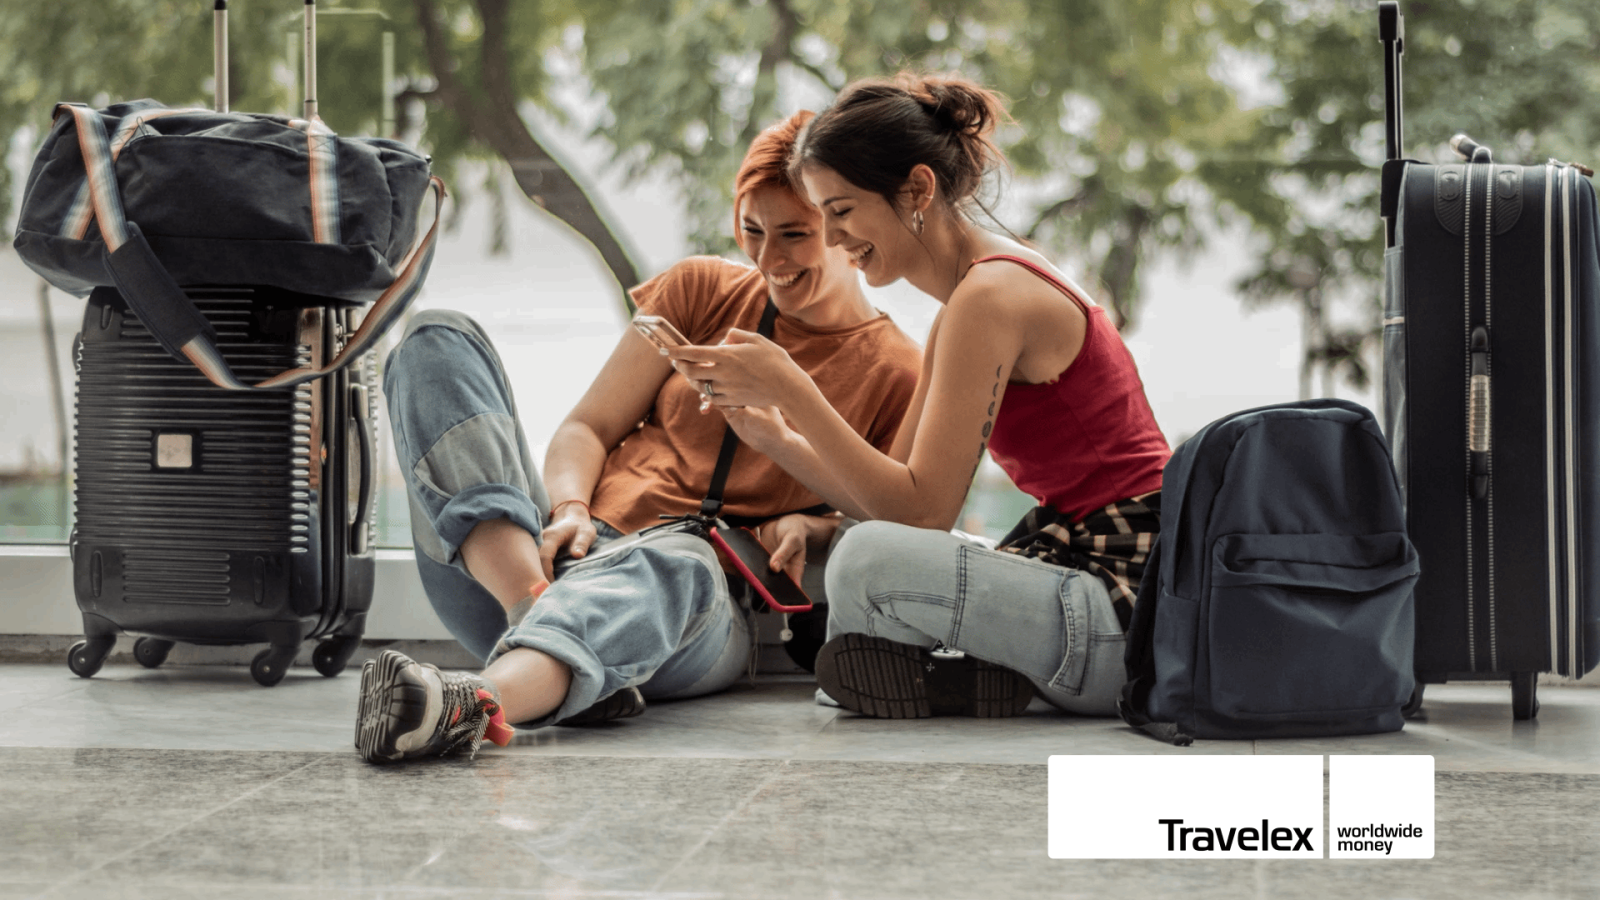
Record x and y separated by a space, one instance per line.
169 313
76 223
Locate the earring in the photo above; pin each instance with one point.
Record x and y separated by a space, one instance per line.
916 223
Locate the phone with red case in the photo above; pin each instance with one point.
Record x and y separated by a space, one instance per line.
744 550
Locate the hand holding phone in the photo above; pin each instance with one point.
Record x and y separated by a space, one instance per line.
741 548
659 331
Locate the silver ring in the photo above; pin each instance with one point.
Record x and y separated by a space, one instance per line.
705 388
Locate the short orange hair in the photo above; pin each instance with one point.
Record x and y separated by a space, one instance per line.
766 164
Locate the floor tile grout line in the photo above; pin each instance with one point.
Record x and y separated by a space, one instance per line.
131 851
380 891
721 823
75 689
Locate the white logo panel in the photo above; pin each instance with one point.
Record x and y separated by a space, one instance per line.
1380 807
1185 807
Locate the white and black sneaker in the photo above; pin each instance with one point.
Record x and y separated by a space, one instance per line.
878 677
410 709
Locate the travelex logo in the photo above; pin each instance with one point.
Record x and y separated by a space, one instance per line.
1380 807
1240 807
1374 837
1265 838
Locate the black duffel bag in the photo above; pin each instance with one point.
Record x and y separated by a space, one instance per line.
149 199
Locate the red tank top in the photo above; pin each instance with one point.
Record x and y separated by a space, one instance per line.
1088 438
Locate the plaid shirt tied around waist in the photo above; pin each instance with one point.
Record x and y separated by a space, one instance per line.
1112 543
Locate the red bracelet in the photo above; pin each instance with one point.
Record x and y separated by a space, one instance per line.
588 512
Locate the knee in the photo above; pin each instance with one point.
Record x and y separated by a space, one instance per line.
433 333
857 559
439 346
448 319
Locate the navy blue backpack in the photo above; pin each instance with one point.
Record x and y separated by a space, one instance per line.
1277 601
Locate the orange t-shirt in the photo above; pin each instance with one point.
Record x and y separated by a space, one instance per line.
867 371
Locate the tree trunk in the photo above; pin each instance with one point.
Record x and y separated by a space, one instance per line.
1119 271
1313 343
765 93
491 116
58 399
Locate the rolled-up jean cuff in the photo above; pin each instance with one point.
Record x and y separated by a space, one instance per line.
588 675
481 503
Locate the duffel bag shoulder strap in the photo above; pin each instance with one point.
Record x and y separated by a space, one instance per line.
169 313
81 214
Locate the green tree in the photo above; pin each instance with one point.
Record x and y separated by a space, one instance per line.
1141 125
1122 134
1523 78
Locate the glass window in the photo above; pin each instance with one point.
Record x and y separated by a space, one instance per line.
37 326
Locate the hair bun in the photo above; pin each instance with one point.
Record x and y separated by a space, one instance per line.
878 129
956 105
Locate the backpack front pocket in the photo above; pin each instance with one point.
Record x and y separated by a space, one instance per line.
1309 627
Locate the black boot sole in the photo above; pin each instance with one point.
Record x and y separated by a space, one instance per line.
890 680
624 704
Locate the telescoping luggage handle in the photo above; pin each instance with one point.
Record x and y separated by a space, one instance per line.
219 81
156 297
1392 32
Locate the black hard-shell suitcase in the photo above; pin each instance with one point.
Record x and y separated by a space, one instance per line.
1492 404
214 516
222 517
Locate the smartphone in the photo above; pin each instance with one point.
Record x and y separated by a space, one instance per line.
659 331
741 548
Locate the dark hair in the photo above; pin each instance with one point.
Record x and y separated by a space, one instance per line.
878 129
766 164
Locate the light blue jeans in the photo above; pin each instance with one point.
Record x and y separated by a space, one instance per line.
657 616
917 586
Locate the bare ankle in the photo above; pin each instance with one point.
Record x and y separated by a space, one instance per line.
532 683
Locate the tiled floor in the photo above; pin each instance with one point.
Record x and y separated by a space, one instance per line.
193 781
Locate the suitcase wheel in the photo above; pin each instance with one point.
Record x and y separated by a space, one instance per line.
1413 707
151 652
271 664
333 654
87 656
1524 695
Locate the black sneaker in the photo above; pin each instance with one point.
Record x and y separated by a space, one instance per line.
411 709
624 704
878 677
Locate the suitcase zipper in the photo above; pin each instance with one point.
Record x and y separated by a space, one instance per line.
1466 314
1552 499
1571 592
1488 422
1480 459
1563 581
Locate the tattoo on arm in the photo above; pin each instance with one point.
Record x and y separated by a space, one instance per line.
988 424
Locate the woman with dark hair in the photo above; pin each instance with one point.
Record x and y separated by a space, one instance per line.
518 567
1019 363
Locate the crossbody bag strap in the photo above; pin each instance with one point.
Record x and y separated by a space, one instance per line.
168 312
712 504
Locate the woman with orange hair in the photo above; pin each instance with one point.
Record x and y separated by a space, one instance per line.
1020 365
516 566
